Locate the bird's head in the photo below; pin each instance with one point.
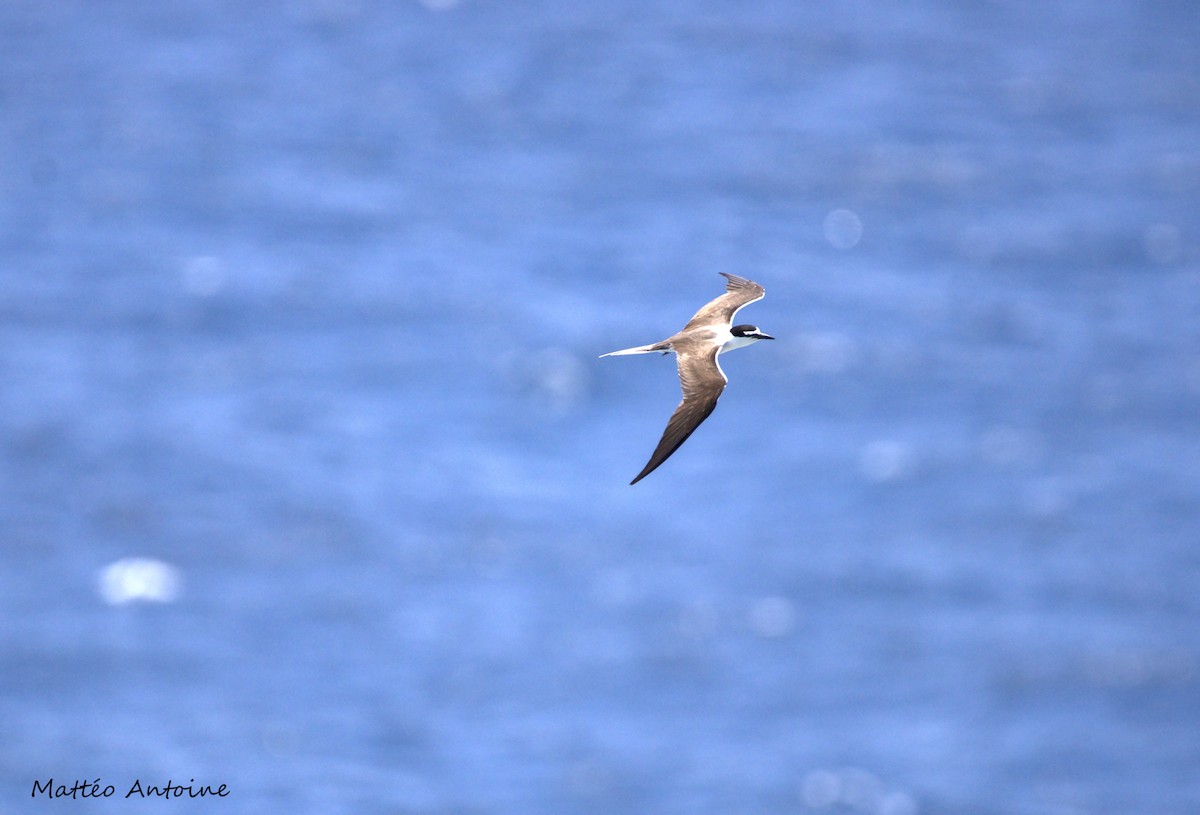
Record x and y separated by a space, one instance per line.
749 332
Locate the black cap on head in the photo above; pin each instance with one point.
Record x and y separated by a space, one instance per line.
750 331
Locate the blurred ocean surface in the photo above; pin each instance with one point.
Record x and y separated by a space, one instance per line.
312 483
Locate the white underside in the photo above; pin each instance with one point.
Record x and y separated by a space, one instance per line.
737 342
721 337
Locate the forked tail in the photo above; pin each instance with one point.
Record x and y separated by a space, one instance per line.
652 348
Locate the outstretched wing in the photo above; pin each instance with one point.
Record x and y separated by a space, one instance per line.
702 380
738 292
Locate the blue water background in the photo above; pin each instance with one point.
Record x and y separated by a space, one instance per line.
301 302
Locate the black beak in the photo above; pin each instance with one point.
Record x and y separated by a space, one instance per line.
763 336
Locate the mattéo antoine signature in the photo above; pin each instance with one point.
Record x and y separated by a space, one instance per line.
95 789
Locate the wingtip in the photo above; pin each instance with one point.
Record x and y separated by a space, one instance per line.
645 472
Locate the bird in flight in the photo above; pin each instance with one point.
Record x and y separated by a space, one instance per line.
696 347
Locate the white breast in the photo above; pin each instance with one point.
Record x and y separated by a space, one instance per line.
736 342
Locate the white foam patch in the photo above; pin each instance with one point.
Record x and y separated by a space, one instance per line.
843 229
134 580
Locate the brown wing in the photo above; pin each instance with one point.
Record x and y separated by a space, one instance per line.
702 381
738 292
